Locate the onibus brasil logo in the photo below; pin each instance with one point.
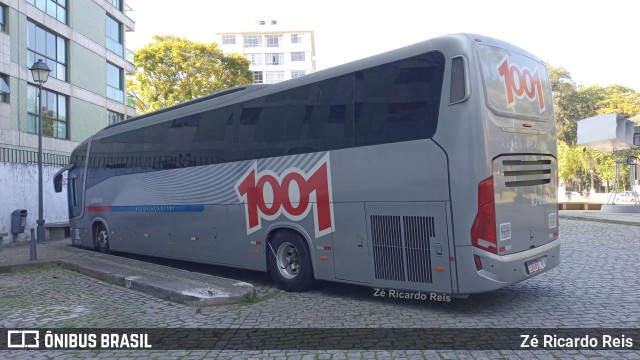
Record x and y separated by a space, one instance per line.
294 194
520 83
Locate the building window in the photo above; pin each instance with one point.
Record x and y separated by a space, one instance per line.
273 40
3 20
297 56
116 3
115 84
258 77
54 113
254 59
4 88
55 8
114 36
114 117
228 39
297 73
43 44
274 77
296 38
274 59
252 41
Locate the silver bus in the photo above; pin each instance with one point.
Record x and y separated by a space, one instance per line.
429 168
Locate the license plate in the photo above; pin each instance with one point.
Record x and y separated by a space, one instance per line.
535 265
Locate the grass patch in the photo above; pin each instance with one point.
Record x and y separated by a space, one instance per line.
250 298
30 268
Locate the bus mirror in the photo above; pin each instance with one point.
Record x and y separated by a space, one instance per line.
57 183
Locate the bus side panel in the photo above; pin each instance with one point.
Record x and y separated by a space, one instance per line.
396 179
81 231
212 235
452 250
409 246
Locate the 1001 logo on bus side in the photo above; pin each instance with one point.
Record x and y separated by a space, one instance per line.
294 193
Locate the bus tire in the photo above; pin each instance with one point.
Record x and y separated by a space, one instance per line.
101 238
290 266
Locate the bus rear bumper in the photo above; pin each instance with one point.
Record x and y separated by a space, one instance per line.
499 271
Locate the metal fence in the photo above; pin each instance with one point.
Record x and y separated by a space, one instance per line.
31 157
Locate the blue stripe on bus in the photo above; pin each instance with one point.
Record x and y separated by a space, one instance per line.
158 208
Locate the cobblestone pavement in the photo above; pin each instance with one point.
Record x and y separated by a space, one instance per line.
596 285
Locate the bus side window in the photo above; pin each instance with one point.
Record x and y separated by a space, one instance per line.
261 131
398 101
213 138
320 116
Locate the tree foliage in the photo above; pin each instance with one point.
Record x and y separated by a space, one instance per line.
619 99
573 103
570 161
171 70
565 95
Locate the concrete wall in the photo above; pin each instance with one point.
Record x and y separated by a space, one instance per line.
19 190
88 119
88 18
90 70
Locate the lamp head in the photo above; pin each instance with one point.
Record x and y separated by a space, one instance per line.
40 72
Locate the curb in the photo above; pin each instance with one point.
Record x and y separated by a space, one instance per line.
193 289
180 289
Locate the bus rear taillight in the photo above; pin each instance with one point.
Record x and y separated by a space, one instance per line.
483 231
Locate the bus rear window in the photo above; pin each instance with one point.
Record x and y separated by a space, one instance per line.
515 85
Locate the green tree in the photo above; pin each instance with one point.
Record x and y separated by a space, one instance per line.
565 96
171 70
619 99
570 162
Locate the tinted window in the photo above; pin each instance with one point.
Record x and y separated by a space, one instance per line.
75 181
261 130
398 101
214 136
78 156
320 116
193 140
393 102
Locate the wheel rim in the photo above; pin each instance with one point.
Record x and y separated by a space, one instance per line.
288 260
102 240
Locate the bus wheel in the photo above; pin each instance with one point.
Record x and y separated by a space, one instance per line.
290 262
101 240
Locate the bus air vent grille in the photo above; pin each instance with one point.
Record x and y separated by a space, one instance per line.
401 247
519 173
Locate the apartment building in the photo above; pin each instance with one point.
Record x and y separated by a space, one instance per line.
83 43
275 54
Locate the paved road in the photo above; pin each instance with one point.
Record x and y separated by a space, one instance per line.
596 285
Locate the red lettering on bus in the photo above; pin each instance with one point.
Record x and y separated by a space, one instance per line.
293 194
519 83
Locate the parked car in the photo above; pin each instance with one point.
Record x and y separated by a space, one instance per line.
572 195
626 196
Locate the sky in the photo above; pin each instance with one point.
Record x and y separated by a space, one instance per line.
598 42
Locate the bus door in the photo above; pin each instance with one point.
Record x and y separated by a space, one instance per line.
351 249
409 246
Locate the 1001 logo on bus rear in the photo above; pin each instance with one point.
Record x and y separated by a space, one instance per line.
521 83
294 193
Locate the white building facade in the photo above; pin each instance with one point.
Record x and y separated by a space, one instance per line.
275 55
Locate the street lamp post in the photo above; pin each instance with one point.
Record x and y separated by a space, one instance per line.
40 72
